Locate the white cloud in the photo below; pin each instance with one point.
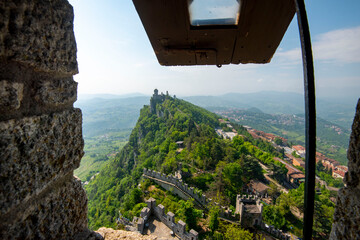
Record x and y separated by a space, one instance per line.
339 46
290 57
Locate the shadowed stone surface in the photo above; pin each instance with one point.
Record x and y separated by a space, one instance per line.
58 213
11 95
39 34
26 92
34 151
346 223
40 131
57 92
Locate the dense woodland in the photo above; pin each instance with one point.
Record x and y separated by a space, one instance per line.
218 167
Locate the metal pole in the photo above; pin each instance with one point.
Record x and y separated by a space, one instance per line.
310 118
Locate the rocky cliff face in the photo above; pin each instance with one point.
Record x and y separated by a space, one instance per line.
347 212
40 131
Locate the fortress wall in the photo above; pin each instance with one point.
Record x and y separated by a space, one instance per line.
40 132
169 220
178 187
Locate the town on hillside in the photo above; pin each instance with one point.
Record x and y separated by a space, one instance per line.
293 157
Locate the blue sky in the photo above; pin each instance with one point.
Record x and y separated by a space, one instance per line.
115 55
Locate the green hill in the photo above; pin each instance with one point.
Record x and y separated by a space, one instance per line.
218 167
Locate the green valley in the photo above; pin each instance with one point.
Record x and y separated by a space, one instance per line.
107 124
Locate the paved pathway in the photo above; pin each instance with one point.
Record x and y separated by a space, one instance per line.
159 229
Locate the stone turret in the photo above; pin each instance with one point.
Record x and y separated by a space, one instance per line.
155 99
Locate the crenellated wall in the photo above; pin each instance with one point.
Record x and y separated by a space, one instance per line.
168 219
171 183
241 216
40 132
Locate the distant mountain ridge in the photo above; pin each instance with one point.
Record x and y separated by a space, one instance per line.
103 115
338 111
82 97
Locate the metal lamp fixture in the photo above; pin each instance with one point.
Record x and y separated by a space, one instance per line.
214 32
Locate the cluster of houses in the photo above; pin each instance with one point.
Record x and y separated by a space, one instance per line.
338 171
256 134
294 175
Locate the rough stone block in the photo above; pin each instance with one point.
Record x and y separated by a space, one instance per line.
56 92
11 94
347 215
36 150
25 92
59 214
346 224
352 177
39 34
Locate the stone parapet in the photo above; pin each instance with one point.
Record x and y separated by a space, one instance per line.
39 34
40 132
185 191
26 92
36 150
168 219
56 213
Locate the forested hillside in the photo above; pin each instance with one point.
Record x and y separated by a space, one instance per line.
219 167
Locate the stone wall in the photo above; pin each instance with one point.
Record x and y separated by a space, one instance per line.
171 183
168 219
346 223
40 131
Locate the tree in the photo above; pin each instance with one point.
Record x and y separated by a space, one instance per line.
295 154
214 219
320 167
279 170
189 213
273 216
279 141
232 177
273 191
235 233
251 169
322 222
